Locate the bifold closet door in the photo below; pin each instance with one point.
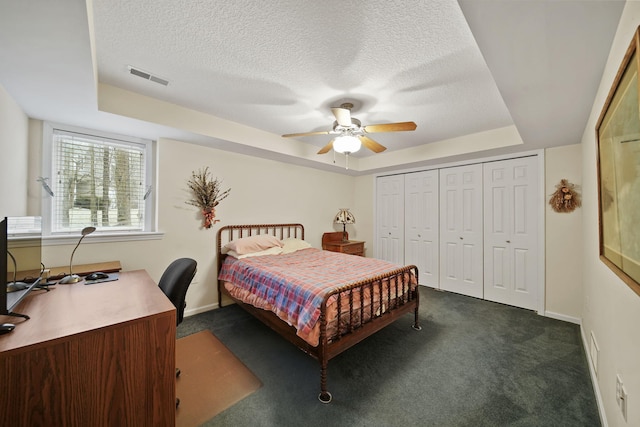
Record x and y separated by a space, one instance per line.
461 242
421 225
511 232
390 218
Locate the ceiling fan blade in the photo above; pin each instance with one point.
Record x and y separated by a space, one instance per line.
371 144
294 135
390 127
327 147
343 116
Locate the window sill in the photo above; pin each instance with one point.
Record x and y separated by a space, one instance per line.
102 238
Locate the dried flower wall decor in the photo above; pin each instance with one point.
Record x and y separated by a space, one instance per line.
206 194
566 197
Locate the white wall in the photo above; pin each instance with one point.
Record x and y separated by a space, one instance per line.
36 194
364 210
13 143
262 191
611 309
563 238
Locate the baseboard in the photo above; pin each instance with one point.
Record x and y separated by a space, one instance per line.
199 310
563 317
592 372
594 379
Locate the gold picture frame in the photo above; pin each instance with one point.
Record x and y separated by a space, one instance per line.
618 164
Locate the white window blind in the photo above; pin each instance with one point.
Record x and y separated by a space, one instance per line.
97 181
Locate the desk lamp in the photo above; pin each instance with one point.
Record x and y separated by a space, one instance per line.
344 217
15 286
74 278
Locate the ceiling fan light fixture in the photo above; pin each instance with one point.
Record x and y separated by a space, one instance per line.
346 144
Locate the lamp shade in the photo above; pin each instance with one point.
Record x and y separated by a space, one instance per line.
344 217
346 144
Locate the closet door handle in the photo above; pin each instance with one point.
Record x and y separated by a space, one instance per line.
461 238
508 241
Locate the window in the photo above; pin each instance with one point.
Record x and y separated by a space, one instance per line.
96 179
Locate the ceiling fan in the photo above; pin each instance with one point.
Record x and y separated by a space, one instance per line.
350 134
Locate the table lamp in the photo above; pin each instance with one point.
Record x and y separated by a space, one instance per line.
74 278
344 217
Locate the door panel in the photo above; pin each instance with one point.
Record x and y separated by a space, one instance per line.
511 232
390 218
421 225
461 230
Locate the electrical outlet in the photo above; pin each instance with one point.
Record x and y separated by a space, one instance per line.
621 396
623 402
618 389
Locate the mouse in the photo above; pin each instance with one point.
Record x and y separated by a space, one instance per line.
97 276
6 327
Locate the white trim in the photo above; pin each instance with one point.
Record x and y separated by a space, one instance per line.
463 163
202 309
542 232
594 380
563 317
101 238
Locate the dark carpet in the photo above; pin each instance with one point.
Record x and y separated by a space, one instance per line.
475 363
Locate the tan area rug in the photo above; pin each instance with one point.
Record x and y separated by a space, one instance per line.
211 380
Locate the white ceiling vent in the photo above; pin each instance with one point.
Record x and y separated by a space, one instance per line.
147 76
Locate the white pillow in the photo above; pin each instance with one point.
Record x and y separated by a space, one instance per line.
292 245
247 245
271 251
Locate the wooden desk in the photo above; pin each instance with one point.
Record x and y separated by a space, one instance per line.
333 242
91 355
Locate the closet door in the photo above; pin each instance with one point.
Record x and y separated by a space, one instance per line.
390 218
421 225
461 242
511 232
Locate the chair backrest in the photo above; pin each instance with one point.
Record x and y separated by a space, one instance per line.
175 281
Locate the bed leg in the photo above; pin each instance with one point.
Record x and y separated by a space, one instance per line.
324 396
416 322
219 294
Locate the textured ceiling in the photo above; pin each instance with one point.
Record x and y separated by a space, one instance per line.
281 67
456 68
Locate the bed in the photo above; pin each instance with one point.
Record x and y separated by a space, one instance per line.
323 302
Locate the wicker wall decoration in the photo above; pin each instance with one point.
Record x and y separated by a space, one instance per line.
206 194
566 197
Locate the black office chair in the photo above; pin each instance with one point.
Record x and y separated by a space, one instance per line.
174 283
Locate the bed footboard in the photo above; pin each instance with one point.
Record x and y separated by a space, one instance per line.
361 309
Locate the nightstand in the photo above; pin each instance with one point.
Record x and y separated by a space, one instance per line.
333 242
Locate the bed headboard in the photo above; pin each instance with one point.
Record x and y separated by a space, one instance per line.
228 233
232 232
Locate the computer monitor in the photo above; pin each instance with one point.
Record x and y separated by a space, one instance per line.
21 241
